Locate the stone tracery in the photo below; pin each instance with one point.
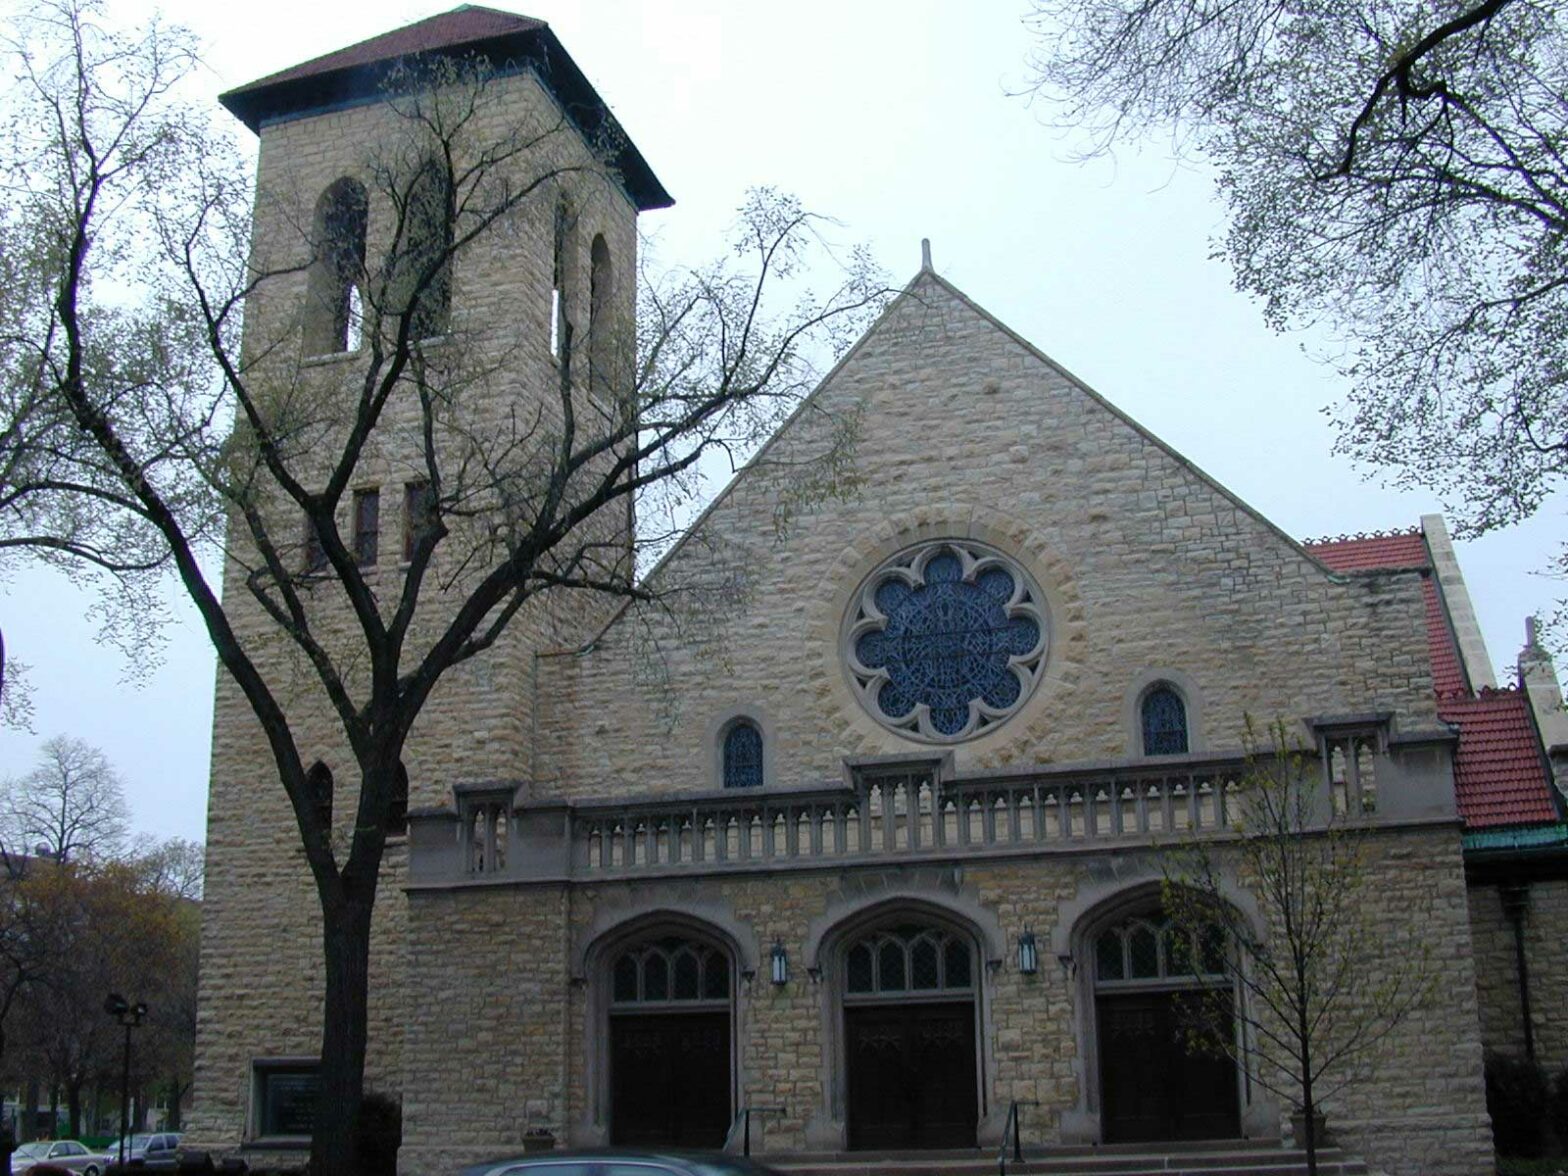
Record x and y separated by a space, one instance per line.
946 640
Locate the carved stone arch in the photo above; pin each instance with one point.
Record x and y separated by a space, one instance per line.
1185 687
1134 887
841 924
614 926
622 926
718 728
846 916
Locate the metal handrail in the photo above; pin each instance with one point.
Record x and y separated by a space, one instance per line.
1014 1128
743 1120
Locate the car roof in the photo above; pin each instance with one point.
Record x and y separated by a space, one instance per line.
624 1154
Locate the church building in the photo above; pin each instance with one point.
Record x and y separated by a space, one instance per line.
872 849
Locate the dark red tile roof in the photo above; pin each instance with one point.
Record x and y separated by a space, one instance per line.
1500 777
1377 551
448 30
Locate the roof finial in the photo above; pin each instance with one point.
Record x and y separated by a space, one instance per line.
925 253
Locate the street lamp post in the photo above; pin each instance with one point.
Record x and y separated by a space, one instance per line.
129 1015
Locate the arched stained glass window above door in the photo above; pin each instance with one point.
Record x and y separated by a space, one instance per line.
669 969
910 959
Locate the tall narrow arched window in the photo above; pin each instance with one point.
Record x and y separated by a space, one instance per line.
427 249
318 781
743 755
334 300
397 811
1164 721
560 327
600 332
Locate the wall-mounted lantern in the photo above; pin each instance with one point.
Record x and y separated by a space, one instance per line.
1028 953
779 960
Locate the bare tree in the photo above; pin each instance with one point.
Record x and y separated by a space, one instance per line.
176 867
165 429
71 806
1395 174
1315 990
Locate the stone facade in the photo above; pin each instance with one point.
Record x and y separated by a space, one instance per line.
1497 972
510 965
594 762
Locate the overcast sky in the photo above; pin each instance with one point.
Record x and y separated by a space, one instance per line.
900 120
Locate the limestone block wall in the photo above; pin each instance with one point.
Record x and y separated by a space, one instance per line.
1497 973
1148 568
1419 1100
260 984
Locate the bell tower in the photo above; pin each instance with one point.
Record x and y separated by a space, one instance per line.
457 194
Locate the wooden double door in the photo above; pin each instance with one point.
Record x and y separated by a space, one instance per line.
911 1072
670 1079
1152 1087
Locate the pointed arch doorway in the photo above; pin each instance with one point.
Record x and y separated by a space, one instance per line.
909 1038
670 1028
1152 1086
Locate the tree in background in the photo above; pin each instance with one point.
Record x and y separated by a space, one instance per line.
1395 173
1321 984
71 806
147 423
115 926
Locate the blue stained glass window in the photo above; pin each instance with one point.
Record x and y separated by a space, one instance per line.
947 642
743 756
1164 722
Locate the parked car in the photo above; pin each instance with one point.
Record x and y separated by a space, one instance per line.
618 1162
61 1153
154 1149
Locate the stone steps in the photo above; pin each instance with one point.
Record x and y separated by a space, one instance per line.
1223 1158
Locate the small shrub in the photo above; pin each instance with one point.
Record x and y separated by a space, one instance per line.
1516 1098
1514 1166
1557 1110
379 1132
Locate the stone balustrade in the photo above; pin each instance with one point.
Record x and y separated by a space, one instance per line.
903 812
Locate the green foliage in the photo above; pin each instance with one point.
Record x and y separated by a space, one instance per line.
1516 1098
1396 175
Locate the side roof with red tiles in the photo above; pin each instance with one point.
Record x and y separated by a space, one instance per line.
1500 773
1500 777
1379 551
504 41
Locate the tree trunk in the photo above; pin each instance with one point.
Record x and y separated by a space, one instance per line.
73 1102
29 1130
172 1123
345 940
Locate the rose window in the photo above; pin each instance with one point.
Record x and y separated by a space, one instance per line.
945 641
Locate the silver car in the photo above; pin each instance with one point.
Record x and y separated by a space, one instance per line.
62 1153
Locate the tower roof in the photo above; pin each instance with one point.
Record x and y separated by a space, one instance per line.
506 41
